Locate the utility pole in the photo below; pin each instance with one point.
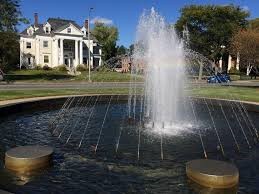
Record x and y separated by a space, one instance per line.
89 53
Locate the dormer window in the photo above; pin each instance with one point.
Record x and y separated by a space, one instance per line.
69 30
28 45
47 28
30 31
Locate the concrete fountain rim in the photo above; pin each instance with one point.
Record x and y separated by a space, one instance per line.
13 102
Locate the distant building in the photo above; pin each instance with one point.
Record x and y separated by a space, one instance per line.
57 42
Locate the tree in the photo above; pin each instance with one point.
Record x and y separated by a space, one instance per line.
121 50
131 49
246 43
9 50
211 26
107 37
10 15
254 24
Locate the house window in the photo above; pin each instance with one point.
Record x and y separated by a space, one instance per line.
28 45
46 59
96 50
45 44
47 30
69 30
30 32
29 60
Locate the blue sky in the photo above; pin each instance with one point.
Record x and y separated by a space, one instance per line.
122 13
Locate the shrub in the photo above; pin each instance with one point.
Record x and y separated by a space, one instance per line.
46 68
234 71
81 68
38 67
61 68
103 69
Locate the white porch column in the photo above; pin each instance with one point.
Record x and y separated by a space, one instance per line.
37 51
76 53
55 53
61 61
238 61
229 62
21 53
81 52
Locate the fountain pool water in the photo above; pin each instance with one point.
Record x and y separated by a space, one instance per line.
107 171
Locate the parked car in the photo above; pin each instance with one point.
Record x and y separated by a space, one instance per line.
219 78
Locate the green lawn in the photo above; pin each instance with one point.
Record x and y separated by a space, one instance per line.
227 92
53 75
224 92
18 94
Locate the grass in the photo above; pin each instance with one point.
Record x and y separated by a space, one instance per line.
227 92
54 75
224 92
18 94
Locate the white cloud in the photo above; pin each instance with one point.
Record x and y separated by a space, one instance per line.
99 19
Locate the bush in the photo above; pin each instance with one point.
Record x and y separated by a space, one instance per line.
46 68
81 68
234 71
61 68
103 69
38 67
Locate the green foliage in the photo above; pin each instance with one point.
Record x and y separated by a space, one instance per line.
103 69
234 71
107 37
121 50
10 15
38 67
46 68
131 49
254 24
211 26
81 67
38 75
9 50
61 68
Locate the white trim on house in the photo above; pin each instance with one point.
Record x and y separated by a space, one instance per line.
57 46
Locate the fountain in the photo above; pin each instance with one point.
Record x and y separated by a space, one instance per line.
161 52
103 152
164 101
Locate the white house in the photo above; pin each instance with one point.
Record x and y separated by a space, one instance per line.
57 42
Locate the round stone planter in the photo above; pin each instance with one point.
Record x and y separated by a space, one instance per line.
28 158
212 173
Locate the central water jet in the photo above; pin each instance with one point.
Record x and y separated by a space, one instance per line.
159 54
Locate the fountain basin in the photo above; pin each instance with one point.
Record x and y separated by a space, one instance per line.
28 158
29 124
212 173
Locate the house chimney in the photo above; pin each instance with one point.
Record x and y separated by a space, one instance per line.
36 19
86 25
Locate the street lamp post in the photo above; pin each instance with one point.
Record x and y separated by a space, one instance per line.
89 54
221 61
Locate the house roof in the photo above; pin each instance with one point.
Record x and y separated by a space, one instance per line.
57 24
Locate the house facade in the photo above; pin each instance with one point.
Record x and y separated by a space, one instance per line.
58 42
